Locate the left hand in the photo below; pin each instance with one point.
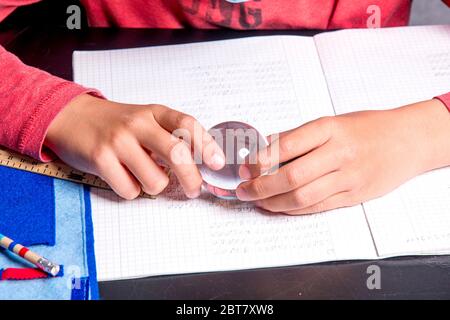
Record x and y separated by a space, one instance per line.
345 160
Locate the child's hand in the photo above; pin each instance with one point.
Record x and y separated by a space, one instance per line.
348 159
119 142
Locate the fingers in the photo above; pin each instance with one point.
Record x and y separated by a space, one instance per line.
177 155
308 195
340 200
289 145
275 136
295 174
151 177
118 177
203 144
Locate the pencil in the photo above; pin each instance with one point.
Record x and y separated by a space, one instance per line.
30 256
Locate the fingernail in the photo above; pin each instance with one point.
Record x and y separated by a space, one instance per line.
217 161
242 194
194 194
244 173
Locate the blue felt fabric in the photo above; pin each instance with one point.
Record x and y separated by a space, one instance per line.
80 288
89 246
73 249
27 207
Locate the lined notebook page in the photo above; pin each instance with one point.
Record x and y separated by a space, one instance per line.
386 68
273 83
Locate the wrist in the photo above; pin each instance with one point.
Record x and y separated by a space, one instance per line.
66 116
427 125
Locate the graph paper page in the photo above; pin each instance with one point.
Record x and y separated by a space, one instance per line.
273 83
386 68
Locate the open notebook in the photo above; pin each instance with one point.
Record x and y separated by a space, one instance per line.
273 83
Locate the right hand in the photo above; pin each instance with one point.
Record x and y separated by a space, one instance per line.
119 142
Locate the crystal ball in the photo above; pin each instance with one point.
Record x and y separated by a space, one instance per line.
240 143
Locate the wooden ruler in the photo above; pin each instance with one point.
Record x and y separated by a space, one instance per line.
56 169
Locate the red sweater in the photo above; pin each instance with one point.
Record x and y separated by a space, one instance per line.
30 98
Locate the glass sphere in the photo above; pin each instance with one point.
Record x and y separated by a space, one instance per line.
240 143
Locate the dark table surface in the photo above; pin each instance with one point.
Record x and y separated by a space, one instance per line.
401 278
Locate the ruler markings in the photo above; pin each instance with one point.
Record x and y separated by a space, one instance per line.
55 169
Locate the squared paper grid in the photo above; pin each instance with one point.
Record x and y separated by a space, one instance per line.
386 68
274 83
364 69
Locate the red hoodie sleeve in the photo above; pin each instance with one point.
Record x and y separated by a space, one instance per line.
445 99
29 100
